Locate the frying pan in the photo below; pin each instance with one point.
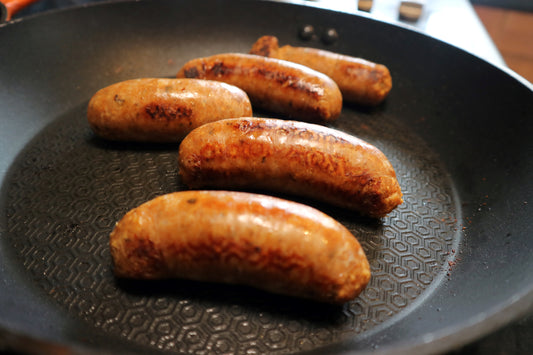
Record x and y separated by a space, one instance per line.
451 264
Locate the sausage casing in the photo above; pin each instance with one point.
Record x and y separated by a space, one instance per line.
162 110
240 238
360 81
275 85
290 157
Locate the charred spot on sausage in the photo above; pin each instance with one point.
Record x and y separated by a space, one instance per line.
149 258
167 112
191 72
220 69
291 81
118 99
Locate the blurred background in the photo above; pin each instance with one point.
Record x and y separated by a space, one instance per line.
510 25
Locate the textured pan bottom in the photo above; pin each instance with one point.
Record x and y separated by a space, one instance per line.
67 189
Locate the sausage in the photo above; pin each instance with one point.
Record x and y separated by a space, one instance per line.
298 158
274 85
240 238
162 110
360 81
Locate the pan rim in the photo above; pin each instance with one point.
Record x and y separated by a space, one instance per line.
449 338
511 310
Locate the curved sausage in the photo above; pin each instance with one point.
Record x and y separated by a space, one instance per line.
275 85
291 157
162 110
241 238
360 81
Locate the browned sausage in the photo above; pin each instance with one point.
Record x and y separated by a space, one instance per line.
360 81
278 86
292 157
162 110
242 238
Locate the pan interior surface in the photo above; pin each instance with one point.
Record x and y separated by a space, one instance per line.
437 260
68 188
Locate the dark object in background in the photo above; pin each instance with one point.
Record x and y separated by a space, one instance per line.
520 5
45 5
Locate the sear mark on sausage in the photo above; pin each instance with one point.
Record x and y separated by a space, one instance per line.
119 100
220 69
258 127
192 73
166 112
148 259
291 81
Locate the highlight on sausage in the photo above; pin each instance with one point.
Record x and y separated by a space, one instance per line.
240 238
360 81
162 110
291 157
275 85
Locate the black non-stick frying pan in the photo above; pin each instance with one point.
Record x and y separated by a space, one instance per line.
452 263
